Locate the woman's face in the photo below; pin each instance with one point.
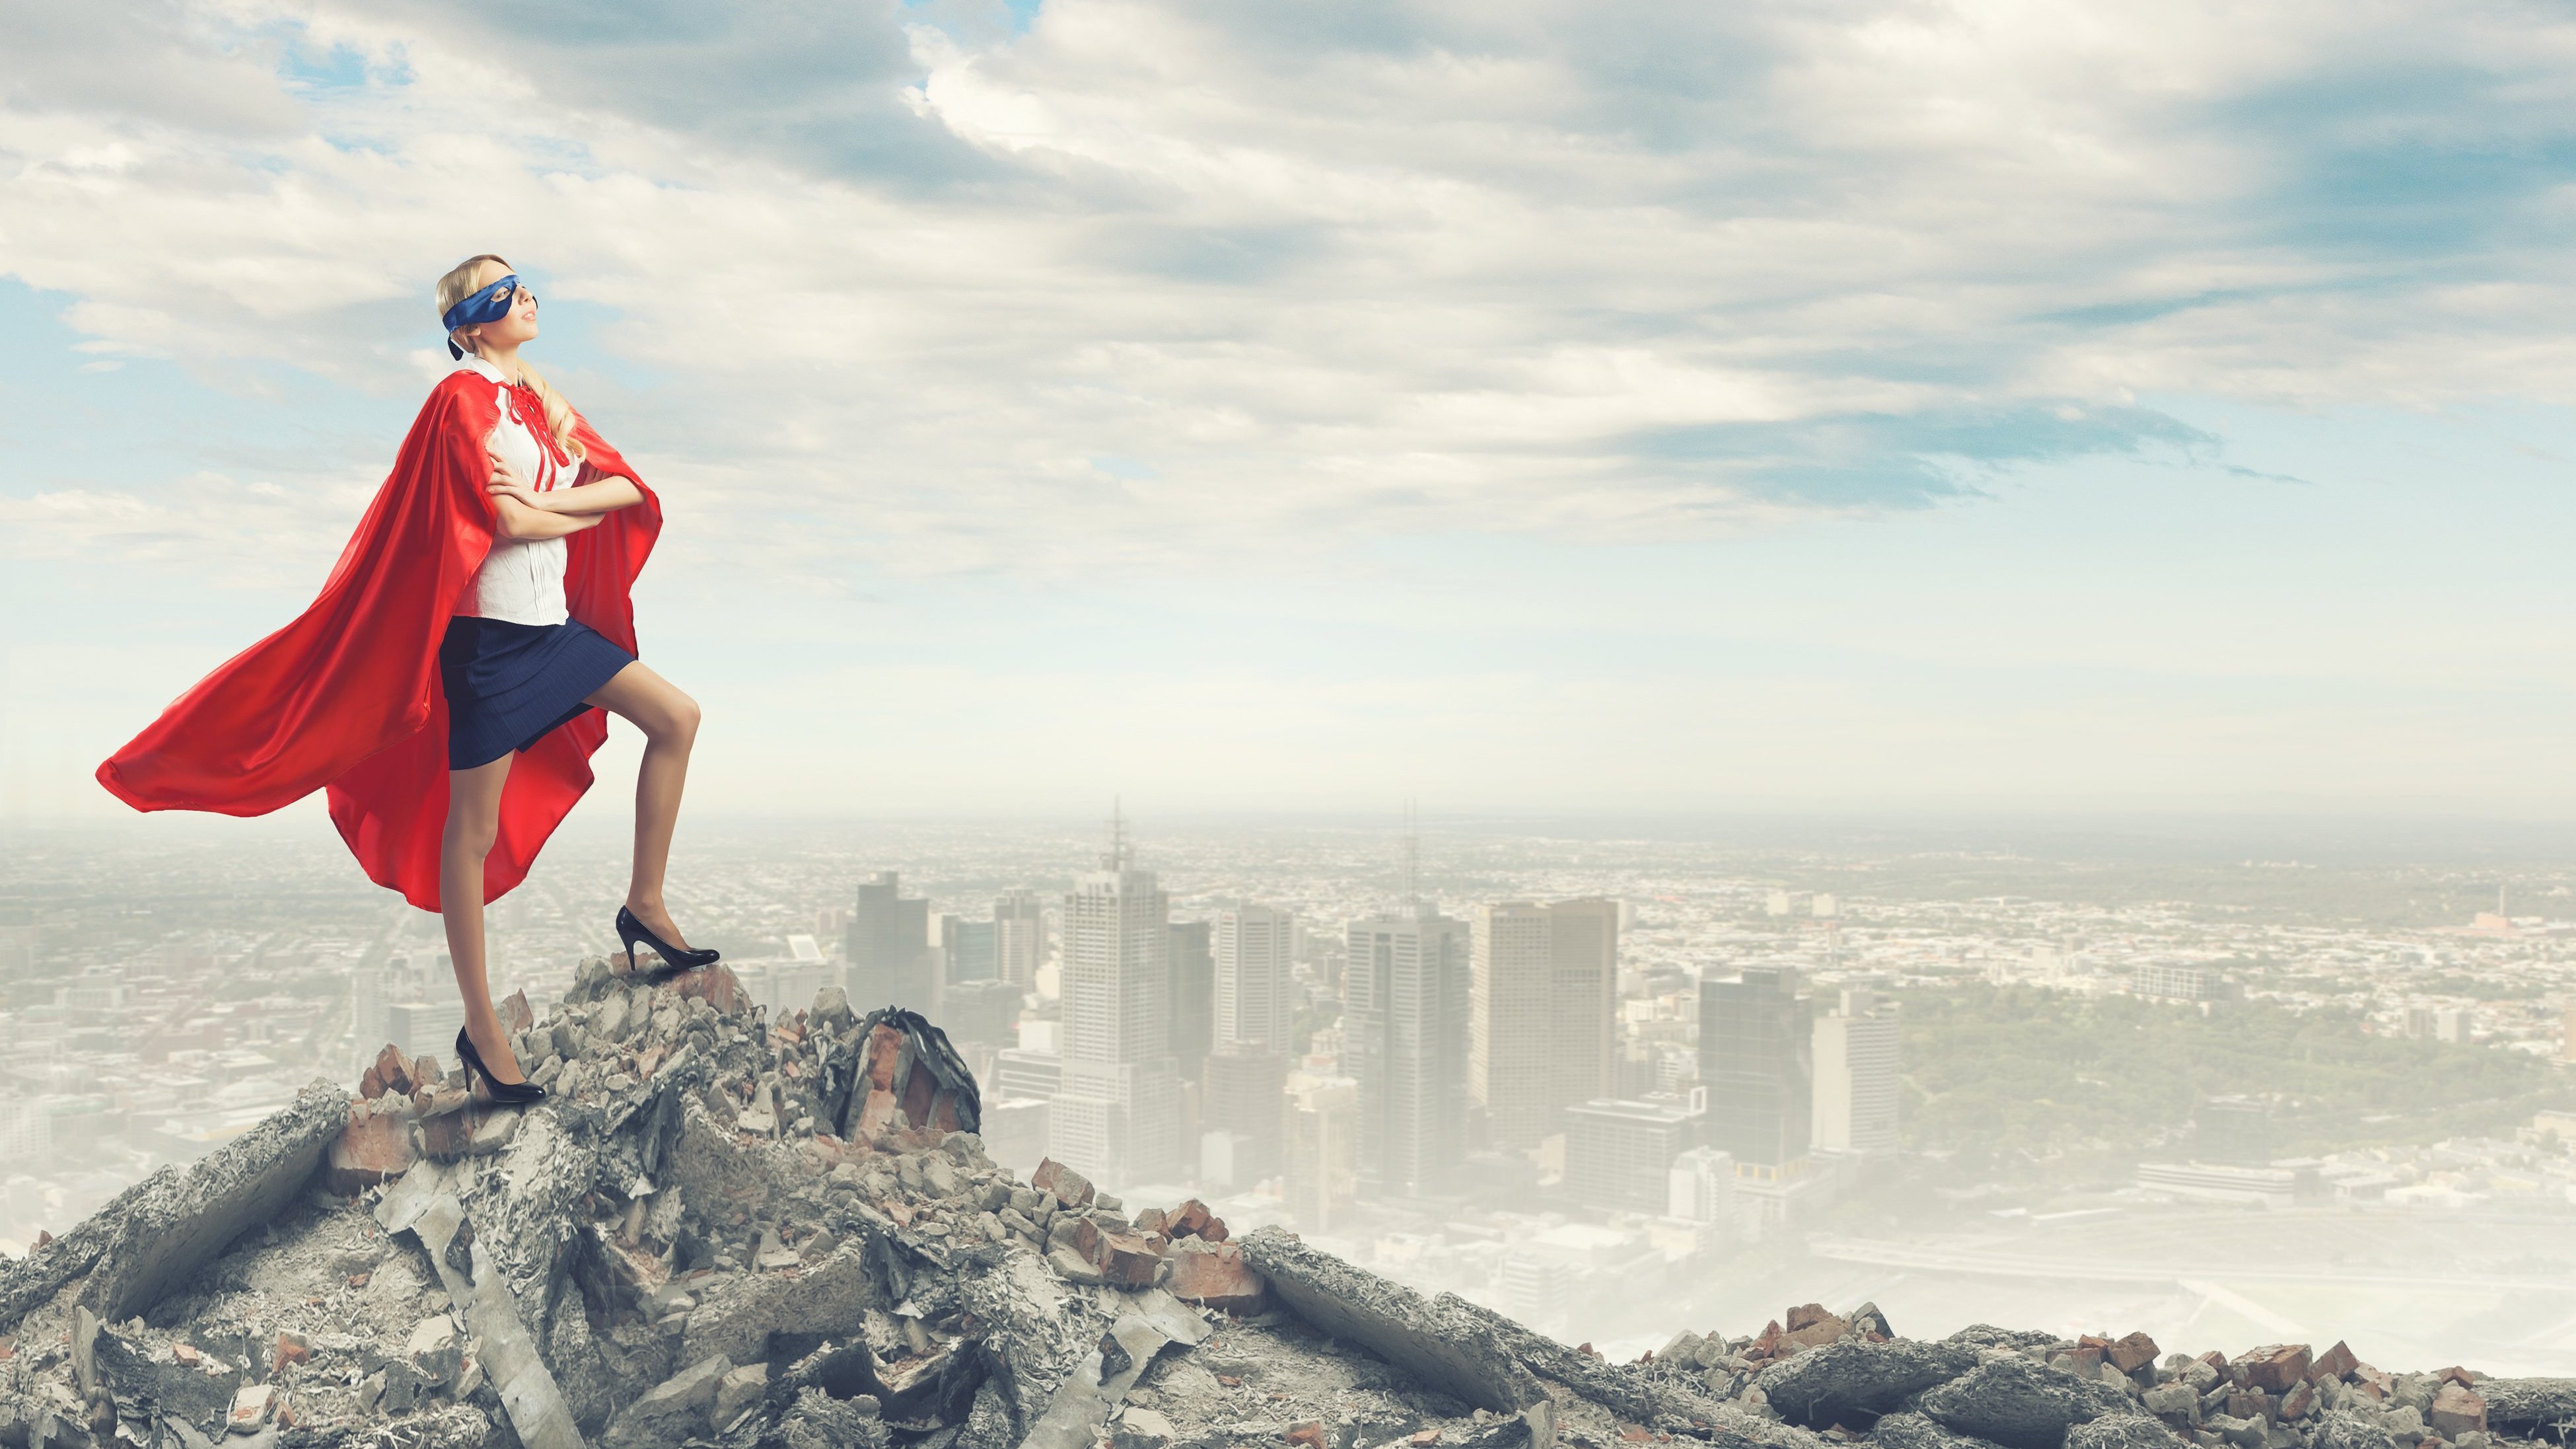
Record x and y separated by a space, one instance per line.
520 326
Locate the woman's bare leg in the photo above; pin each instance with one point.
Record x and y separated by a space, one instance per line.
473 823
669 720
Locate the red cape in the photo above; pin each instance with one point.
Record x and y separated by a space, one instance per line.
348 696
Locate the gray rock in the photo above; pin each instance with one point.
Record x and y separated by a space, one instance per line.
1915 1431
672 1411
1986 1335
1849 1379
2122 1431
2172 1401
739 1389
2019 1404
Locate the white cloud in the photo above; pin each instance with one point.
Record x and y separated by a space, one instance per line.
1609 272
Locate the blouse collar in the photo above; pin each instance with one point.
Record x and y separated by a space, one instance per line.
479 363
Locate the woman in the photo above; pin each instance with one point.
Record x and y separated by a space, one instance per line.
447 685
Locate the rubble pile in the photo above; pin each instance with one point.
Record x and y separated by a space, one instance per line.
1850 1377
726 1230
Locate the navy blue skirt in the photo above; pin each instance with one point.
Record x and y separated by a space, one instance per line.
508 684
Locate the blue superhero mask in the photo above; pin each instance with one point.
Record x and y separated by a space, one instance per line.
489 305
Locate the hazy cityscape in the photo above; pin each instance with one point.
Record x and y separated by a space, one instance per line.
1614 1081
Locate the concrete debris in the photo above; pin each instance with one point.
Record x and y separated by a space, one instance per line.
753 1233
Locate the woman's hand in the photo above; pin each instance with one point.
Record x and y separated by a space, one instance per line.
506 482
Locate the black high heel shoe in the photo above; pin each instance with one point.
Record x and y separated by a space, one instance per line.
631 930
507 1094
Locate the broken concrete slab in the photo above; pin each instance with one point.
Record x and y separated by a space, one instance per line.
1458 1352
422 1205
37 1277
1851 1379
2525 1406
1909 1430
2020 1404
163 1238
2123 1431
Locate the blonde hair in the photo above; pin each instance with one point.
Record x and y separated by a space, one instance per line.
458 285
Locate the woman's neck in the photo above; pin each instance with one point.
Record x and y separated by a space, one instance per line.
506 359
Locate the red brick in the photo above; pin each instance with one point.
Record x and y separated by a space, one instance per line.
1816 1334
885 1054
2457 1375
1806 1314
1070 1187
370 1086
1128 1260
2299 1402
394 1070
1186 1220
186 1354
1215 1276
715 985
876 1114
291 1348
2132 1353
2457 1410
366 1153
1425 1439
1214 1232
1150 1220
2276 1367
1310 1434
2334 1363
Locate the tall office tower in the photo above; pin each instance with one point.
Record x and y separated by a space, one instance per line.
1191 991
1856 1063
1756 1053
1542 1013
1256 998
1583 1000
889 962
1620 1155
425 1028
1019 937
1404 1024
1117 1116
1701 1187
982 1011
1322 1157
966 949
1243 1094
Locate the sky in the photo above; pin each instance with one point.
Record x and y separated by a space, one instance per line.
1236 406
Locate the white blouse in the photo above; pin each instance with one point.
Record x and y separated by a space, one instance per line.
521 580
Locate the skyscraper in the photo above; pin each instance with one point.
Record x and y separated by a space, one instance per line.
1019 937
1856 1066
1244 1094
1583 998
1756 1056
1117 1116
1255 994
966 950
1620 1154
1542 1013
889 961
1191 991
1405 1033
